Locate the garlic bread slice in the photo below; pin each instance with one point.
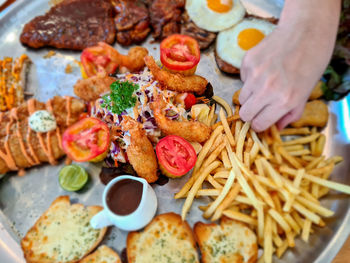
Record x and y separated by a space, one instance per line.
62 234
103 254
229 242
167 239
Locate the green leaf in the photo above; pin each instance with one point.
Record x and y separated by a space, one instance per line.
121 97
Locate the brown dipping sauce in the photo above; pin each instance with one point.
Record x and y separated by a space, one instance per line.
124 197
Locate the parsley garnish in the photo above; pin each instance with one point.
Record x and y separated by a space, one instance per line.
121 97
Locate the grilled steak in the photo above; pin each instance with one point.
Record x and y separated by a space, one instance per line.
189 28
72 24
132 21
166 17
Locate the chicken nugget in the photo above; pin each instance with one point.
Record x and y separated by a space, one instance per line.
317 92
315 114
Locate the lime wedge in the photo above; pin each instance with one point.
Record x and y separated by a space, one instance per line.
72 177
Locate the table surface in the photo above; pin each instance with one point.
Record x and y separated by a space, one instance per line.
344 253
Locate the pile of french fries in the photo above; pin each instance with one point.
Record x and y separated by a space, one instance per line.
272 184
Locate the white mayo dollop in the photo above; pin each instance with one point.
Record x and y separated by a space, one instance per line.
42 121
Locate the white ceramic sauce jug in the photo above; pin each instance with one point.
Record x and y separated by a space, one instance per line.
138 219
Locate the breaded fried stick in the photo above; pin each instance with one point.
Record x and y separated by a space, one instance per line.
91 88
133 61
21 147
140 151
192 131
174 81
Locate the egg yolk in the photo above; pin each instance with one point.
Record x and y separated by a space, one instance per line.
249 38
220 6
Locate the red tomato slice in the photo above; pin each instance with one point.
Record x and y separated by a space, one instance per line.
176 156
179 52
86 139
102 57
190 100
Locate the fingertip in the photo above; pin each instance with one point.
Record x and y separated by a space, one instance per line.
250 108
242 114
290 117
244 95
257 126
284 121
281 125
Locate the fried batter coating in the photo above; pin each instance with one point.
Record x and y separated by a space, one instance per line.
235 97
140 152
315 114
91 88
192 131
134 60
22 150
317 91
176 82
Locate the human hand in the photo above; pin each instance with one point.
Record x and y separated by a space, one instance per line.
280 73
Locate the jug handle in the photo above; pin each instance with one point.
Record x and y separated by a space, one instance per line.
100 220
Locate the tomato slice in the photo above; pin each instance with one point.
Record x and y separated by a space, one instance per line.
86 140
179 52
102 57
176 156
190 100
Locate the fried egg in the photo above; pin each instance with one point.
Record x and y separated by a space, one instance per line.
233 43
215 15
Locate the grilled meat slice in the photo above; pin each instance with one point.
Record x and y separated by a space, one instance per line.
132 21
166 17
189 28
72 24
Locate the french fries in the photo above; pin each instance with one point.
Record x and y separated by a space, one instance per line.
264 180
224 104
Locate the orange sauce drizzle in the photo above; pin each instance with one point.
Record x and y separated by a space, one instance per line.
7 156
52 159
31 110
32 158
58 132
68 108
68 161
21 172
145 86
32 152
48 137
136 110
20 137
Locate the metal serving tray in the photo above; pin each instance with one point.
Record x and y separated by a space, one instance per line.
24 199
